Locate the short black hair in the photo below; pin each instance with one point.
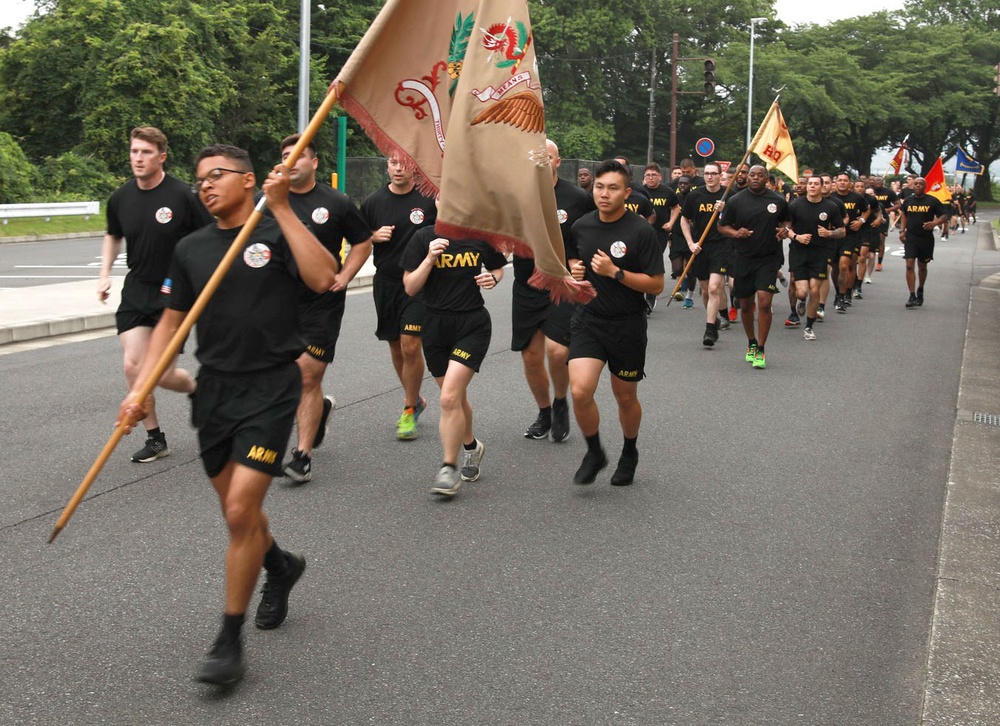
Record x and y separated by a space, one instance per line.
293 140
234 153
613 166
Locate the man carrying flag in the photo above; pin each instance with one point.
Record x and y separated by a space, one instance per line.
898 159
920 214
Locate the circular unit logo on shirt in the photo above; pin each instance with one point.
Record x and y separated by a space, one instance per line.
164 215
320 215
257 255
618 249
772 207
823 216
563 215
417 216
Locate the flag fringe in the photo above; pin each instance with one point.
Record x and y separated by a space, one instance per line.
560 289
386 144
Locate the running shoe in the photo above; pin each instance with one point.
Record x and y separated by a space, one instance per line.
593 462
710 338
912 302
625 473
868 279
751 353
273 607
678 295
808 334
650 303
839 306
473 458
821 313
299 469
329 402
800 308
723 323
733 314
858 295
688 303
406 427
223 665
155 448
448 482
784 281
541 427
920 298
560 420
878 267
792 321
421 405
758 359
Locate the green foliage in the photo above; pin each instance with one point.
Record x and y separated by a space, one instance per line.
17 175
72 177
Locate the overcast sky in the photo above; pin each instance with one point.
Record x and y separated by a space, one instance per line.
790 11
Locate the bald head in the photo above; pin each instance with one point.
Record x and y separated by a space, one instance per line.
554 159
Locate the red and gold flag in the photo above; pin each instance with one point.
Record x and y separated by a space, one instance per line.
451 88
936 185
773 144
897 161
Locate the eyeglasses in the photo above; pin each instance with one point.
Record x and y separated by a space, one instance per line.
213 177
711 173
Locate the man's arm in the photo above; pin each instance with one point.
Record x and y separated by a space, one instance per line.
414 280
601 264
317 267
110 249
356 258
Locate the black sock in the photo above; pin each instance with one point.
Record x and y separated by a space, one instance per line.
546 412
880 260
710 327
752 341
231 626
629 446
558 402
809 322
470 447
920 291
274 559
760 348
594 442
153 432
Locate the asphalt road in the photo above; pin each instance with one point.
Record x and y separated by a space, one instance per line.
774 562
26 264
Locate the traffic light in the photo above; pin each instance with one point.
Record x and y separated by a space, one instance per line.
710 76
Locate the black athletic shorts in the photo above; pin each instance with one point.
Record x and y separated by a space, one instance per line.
531 312
919 249
319 325
141 306
619 342
869 238
715 258
849 245
462 337
752 274
398 313
245 417
809 262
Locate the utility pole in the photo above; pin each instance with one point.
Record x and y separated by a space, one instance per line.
652 105
305 33
673 102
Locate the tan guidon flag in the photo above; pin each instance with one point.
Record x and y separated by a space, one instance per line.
773 144
451 88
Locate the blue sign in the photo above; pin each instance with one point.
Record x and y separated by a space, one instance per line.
704 146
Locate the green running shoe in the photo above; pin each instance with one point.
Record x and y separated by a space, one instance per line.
751 353
758 359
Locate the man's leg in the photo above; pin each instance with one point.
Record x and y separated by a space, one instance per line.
764 316
413 368
630 417
311 404
134 342
455 428
584 374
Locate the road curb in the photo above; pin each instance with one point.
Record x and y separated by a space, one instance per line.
50 237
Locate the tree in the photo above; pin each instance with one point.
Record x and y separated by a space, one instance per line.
17 175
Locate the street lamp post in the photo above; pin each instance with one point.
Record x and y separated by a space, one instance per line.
753 21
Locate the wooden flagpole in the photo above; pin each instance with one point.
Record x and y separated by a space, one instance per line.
235 249
715 212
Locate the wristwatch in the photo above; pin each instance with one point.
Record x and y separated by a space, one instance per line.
620 275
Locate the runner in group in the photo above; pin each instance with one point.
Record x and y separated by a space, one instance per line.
248 384
920 214
396 212
619 255
151 213
667 207
540 328
714 254
333 218
456 337
755 219
856 207
815 224
889 203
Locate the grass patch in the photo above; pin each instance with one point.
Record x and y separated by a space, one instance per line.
36 226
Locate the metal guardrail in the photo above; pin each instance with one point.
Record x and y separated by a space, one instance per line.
49 210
